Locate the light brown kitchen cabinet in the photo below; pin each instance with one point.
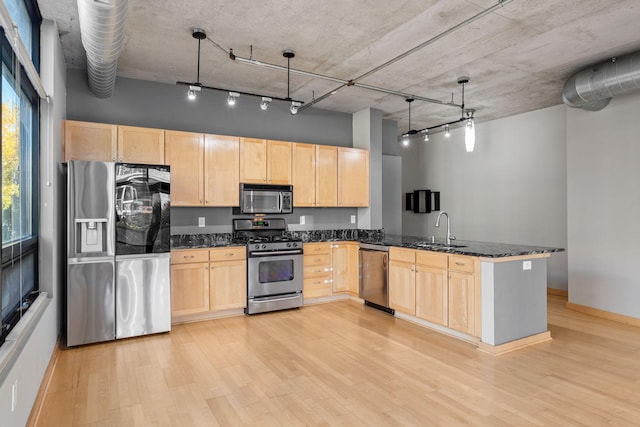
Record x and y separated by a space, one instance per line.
463 295
204 168
227 278
303 174
326 176
89 141
264 161
221 170
344 267
189 282
184 152
402 280
317 275
353 177
140 145
432 287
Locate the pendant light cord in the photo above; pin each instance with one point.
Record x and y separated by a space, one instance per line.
198 76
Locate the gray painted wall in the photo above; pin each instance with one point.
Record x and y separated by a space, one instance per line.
392 194
511 189
149 104
603 206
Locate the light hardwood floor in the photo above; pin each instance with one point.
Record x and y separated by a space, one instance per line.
345 364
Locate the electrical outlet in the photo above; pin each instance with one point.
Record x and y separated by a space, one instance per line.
526 265
200 221
14 396
302 220
353 219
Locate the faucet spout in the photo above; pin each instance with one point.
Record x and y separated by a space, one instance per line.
450 237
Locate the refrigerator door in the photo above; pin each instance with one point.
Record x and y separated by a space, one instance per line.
90 209
90 301
142 209
143 294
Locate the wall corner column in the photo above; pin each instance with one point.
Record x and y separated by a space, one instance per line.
367 134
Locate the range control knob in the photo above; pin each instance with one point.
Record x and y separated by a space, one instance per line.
288 245
257 246
295 245
264 246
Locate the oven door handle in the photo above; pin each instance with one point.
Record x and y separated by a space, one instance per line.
275 298
275 253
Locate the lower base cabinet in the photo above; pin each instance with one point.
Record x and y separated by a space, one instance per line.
206 280
436 287
330 268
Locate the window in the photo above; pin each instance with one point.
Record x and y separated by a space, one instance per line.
19 178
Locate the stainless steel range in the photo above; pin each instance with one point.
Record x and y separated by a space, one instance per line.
274 264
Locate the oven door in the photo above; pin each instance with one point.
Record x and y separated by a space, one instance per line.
274 273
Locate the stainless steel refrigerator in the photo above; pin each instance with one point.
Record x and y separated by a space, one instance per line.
118 277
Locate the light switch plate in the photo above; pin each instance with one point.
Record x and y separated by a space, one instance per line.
200 221
526 265
353 219
301 219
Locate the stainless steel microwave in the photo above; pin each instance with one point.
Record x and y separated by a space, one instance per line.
266 199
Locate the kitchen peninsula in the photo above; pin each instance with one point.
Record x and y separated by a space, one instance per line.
505 285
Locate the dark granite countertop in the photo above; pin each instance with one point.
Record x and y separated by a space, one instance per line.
463 247
375 237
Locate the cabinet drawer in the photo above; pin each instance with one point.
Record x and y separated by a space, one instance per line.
403 255
228 253
431 259
182 256
461 263
317 271
316 287
316 248
323 259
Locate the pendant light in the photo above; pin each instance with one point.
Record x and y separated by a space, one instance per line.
405 137
198 34
470 131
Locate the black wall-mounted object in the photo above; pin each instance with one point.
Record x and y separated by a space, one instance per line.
422 201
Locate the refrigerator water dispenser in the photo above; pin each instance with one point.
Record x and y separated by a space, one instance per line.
91 234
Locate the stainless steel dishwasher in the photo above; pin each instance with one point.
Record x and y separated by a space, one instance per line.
374 276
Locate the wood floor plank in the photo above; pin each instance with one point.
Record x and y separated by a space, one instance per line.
342 363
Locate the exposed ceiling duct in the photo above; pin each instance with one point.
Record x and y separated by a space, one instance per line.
102 25
592 88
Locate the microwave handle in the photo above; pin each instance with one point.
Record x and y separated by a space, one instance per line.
280 201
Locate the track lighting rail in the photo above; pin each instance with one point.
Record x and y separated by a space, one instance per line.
275 98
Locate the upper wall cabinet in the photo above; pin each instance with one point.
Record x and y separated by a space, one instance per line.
303 168
353 177
265 162
140 145
327 176
111 143
185 155
89 141
204 169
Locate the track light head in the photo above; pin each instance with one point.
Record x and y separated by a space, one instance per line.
295 105
264 104
447 134
192 93
426 135
231 99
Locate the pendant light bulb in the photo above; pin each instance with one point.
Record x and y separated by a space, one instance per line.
447 134
295 105
426 135
192 93
405 141
470 135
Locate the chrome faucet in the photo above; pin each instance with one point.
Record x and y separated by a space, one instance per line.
450 237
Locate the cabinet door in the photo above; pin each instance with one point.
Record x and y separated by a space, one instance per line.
253 160
461 302
354 268
89 141
228 285
432 294
303 170
140 145
279 162
189 288
402 287
221 170
353 177
340 267
326 176
184 153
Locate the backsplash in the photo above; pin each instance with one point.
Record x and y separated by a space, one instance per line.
224 239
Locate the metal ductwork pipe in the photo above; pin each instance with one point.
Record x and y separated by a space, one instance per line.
592 88
102 25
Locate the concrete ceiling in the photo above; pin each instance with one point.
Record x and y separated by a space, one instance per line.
518 57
